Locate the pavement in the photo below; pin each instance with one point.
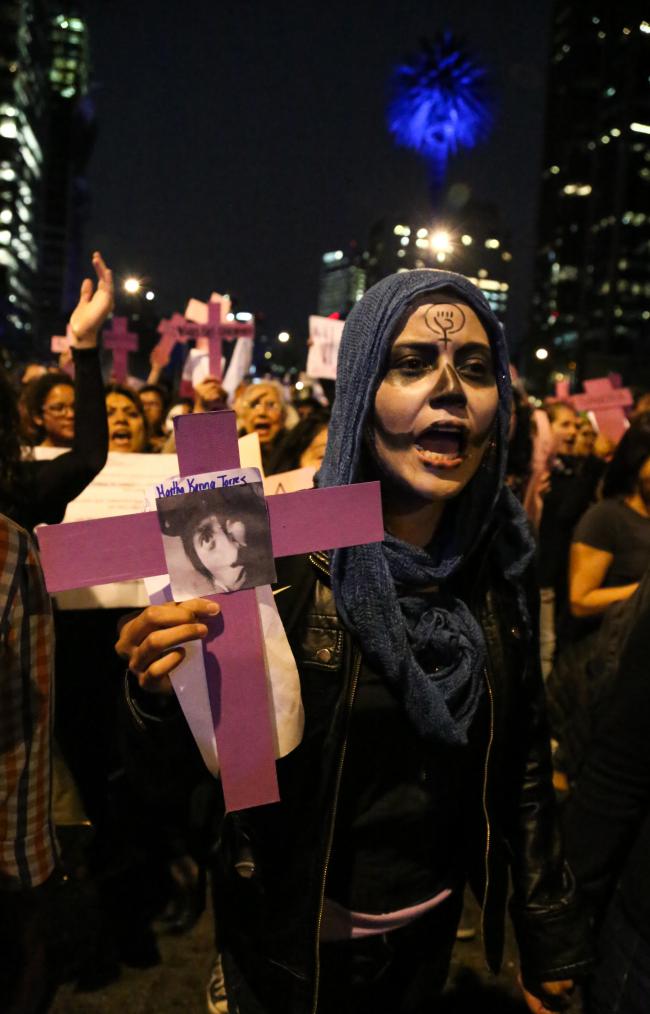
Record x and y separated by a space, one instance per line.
177 981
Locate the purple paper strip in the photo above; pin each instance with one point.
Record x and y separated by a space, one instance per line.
233 653
206 442
85 553
325 518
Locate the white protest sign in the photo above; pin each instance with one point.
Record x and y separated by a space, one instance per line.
289 482
324 340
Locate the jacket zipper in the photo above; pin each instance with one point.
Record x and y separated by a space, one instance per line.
330 838
485 806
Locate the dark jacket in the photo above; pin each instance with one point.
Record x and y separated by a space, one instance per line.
269 922
608 813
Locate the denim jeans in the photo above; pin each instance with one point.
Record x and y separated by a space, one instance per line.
621 982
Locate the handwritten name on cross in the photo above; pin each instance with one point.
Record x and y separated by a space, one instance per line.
120 341
607 399
60 344
84 553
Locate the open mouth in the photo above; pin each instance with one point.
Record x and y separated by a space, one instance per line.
121 438
443 445
263 428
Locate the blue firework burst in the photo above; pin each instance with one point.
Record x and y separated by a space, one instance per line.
440 102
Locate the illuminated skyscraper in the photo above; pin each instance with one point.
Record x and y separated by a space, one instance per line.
592 299
68 144
43 147
23 114
469 241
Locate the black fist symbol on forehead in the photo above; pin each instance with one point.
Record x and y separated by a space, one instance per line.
445 319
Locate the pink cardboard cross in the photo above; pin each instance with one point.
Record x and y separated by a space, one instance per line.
85 553
208 316
60 343
607 399
121 341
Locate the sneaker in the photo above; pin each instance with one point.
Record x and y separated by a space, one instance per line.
217 1001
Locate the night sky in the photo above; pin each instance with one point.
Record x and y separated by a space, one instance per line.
238 141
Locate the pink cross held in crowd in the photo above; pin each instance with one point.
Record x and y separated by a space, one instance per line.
211 327
121 341
607 399
85 553
60 343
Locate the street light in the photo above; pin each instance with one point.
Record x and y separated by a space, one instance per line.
150 295
441 241
284 336
541 353
132 285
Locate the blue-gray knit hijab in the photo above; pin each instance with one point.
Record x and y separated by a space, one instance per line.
429 648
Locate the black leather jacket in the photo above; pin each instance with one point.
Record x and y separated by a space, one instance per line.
269 922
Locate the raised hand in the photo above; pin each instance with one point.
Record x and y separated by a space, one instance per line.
93 307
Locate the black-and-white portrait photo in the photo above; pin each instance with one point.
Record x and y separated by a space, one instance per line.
216 540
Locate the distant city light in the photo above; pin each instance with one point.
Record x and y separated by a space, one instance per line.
8 129
299 385
492 244
244 315
150 295
638 128
645 27
440 241
267 355
541 353
284 336
5 216
466 240
230 316
131 285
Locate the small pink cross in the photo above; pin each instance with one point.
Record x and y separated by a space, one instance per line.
60 343
605 397
215 330
85 553
121 341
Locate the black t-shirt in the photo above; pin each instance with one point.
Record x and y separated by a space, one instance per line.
615 528
399 831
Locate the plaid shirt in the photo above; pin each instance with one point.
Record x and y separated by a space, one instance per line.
27 842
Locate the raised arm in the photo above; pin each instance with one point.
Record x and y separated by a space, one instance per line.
52 484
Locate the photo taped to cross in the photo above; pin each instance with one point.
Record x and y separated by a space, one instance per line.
216 533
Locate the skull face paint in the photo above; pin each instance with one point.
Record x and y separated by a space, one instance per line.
436 405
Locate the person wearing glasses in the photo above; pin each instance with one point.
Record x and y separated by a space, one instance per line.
33 492
51 407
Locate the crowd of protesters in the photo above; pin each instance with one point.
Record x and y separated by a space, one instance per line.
76 812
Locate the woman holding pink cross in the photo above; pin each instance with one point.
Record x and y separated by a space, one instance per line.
425 760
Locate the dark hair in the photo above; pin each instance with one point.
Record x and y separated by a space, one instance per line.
296 441
156 389
623 470
36 391
520 448
127 392
9 442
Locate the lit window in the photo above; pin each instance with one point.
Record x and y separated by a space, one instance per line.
8 129
506 256
401 253
404 241
423 233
